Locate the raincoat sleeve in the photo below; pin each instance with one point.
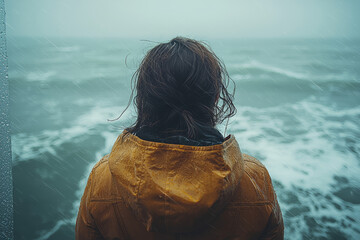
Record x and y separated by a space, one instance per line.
275 225
85 225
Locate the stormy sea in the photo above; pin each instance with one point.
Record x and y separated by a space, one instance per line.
298 103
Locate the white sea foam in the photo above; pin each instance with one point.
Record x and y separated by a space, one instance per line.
48 233
239 77
306 152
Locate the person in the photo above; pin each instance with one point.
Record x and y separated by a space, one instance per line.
172 174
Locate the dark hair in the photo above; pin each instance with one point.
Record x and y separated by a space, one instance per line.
180 86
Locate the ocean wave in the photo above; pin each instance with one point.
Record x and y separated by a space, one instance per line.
110 138
68 49
243 72
253 64
26 146
40 76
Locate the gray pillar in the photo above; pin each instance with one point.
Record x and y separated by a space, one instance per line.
6 189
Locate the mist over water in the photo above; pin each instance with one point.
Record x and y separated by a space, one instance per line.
298 113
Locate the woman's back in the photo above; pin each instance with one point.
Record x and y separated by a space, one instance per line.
172 175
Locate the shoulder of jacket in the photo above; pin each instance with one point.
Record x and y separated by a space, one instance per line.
256 184
101 181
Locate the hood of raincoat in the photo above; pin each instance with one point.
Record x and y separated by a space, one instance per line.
175 188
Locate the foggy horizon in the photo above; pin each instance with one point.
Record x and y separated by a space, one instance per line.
161 19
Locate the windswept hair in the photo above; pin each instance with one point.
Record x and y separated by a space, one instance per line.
180 86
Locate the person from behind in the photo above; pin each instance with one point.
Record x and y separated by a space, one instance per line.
172 174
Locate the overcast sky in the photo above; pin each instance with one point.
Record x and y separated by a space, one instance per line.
195 18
